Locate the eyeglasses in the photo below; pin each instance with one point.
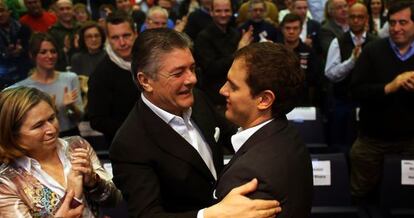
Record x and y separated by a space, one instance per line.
359 17
91 36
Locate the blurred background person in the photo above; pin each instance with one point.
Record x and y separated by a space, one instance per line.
37 18
377 18
335 24
291 27
91 53
63 32
91 44
198 19
14 39
262 29
272 13
45 166
81 13
137 16
62 86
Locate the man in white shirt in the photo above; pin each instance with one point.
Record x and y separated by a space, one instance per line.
166 156
263 85
342 55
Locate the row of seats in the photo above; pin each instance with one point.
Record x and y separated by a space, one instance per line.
331 194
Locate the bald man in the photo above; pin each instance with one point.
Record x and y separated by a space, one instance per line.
342 55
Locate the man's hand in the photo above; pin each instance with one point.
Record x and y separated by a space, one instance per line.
65 211
356 51
247 37
308 41
404 80
235 204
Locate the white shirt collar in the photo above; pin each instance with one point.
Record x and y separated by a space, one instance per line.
354 39
164 115
238 139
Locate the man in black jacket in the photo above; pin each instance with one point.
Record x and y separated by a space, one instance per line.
383 83
166 156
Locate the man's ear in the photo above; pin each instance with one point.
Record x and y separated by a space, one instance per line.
144 81
266 100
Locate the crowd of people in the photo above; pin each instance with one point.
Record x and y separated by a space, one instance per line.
158 78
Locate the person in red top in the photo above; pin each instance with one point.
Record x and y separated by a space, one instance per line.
36 18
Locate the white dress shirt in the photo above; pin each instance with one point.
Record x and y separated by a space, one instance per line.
335 70
188 130
242 135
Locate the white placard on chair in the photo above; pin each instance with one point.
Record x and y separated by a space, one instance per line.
302 113
407 172
321 172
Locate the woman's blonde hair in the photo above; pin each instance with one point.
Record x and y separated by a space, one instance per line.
14 105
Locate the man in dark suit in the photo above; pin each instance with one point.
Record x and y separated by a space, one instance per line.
166 155
262 85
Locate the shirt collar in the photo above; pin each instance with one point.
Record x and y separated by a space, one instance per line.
402 57
242 135
354 38
164 115
28 163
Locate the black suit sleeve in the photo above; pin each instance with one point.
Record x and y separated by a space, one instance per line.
141 189
100 98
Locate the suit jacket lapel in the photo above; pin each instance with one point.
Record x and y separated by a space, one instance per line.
170 141
207 130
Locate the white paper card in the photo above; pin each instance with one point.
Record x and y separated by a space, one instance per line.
321 173
108 168
302 113
407 172
357 113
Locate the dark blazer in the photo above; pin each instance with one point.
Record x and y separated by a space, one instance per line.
312 29
159 173
278 158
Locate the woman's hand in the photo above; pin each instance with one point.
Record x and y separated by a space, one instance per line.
75 182
81 162
65 211
69 97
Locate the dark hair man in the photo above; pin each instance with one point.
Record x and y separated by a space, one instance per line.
166 156
262 86
111 93
215 46
383 83
291 27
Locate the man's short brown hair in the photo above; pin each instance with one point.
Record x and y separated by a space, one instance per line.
272 66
